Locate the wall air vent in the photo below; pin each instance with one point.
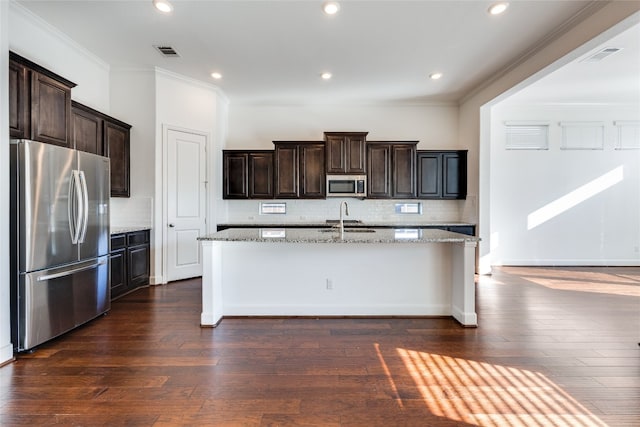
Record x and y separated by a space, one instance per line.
601 54
167 51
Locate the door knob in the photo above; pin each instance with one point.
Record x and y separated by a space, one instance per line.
171 225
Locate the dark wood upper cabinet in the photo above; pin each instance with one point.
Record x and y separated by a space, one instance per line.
286 167
117 142
261 174
98 133
39 103
299 170
429 174
454 175
235 177
86 129
345 152
312 171
391 170
378 171
50 110
40 108
442 174
18 101
247 174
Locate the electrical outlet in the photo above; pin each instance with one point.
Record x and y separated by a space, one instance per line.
636 249
329 284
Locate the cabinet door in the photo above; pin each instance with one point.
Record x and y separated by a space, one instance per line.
335 154
286 171
138 266
118 265
116 140
118 270
378 171
138 258
454 167
404 171
261 175
18 101
235 175
429 175
356 154
86 131
345 152
312 171
50 110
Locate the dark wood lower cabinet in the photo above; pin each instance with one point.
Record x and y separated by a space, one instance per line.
129 261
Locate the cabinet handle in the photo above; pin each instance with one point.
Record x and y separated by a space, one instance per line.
171 225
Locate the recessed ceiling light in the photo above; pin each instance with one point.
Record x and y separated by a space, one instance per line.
331 7
326 76
435 76
498 8
216 75
163 5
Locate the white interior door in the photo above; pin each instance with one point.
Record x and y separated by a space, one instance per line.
186 203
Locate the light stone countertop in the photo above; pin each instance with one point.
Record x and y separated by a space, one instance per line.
394 224
319 235
129 229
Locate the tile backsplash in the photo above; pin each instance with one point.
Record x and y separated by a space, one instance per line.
131 212
300 211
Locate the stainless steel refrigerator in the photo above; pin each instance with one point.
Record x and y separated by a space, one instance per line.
59 240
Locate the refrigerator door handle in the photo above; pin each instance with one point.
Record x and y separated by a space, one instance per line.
70 272
85 208
75 207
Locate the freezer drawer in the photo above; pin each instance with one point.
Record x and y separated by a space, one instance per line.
54 301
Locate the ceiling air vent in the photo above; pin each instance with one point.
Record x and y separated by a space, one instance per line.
601 54
167 51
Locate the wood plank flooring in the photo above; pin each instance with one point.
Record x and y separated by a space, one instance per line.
555 347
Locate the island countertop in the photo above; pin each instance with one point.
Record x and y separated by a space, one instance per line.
326 235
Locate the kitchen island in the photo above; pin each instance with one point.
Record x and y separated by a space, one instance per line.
322 272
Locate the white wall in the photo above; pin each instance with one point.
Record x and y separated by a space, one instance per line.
603 229
6 348
187 104
36 40
255 127
612 18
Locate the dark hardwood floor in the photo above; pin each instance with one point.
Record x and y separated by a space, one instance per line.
555 347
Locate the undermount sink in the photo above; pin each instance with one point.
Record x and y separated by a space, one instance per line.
346 221
348 230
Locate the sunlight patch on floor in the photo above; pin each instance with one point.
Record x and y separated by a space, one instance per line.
484 394
632 289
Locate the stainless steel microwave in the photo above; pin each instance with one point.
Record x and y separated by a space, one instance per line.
346 185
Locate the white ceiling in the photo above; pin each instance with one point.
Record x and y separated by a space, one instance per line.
272 52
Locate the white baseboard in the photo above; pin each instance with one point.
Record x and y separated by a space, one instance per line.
6 353
157 280
231 309
569 262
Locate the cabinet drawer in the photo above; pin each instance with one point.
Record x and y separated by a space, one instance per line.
118 241
138 238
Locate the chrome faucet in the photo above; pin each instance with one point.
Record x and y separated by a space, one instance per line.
346 212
